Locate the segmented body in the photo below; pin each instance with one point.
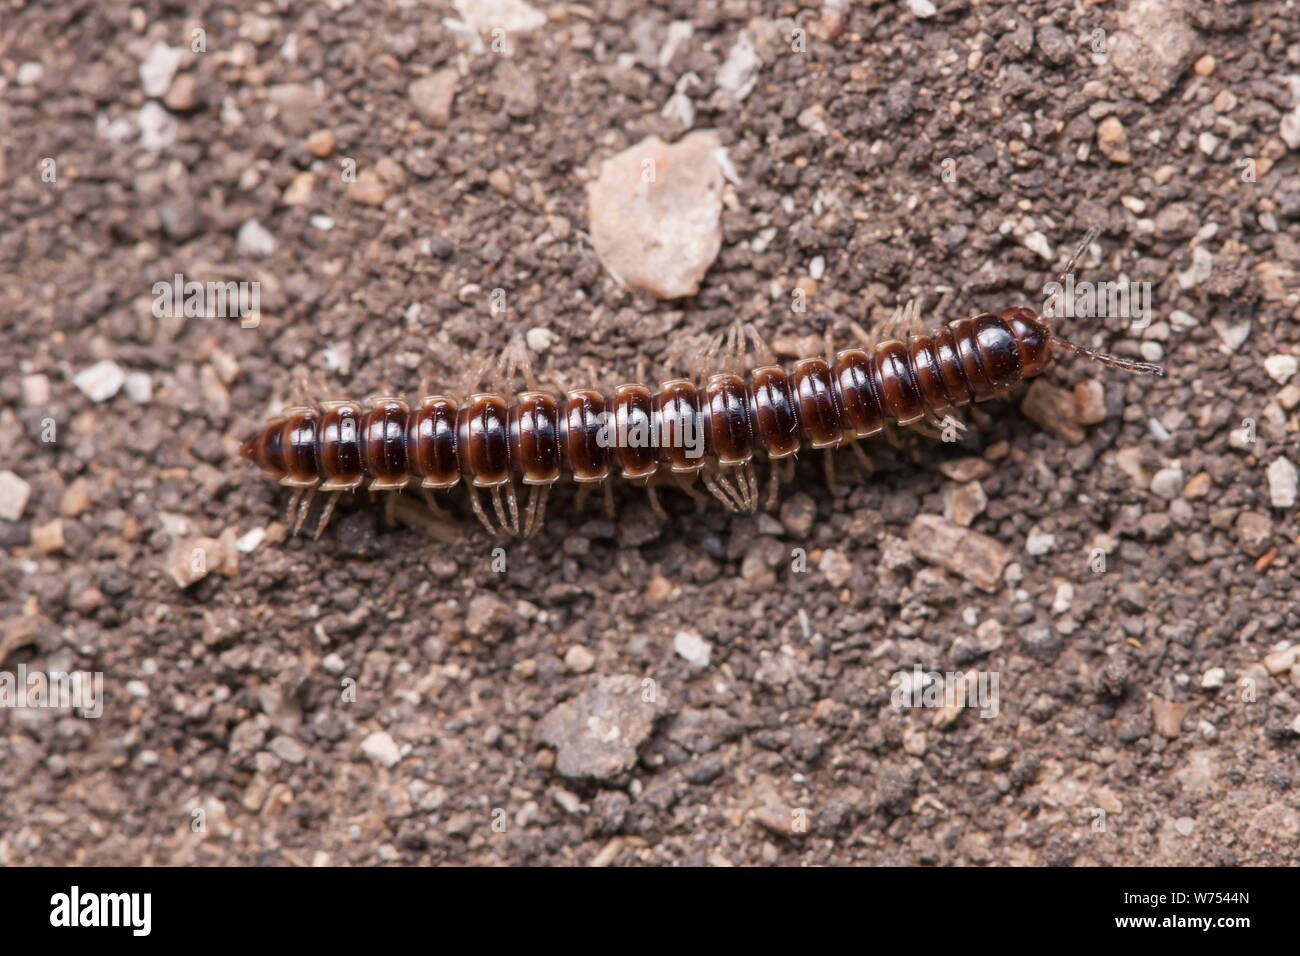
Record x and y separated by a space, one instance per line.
541 438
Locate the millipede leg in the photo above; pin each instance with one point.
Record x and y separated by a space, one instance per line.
735 360
787 470
390 509
468 385
293 508
326 514
865 338
513 501
752 479
432 502
655 504
478 511
773 486
537 507
580 499
828 461
304 508
530 510
721 489
867 467
763 354
830 347
705 361
609 498
686 485
499 508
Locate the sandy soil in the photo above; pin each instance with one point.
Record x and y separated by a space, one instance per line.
389 695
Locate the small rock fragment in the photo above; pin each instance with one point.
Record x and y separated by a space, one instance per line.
1112 140
158 68
369 189
1214 678
1281 661
100 381
1090 402
656 211
692 648
48 537
253 240
1154 46
579 660
1280 368
966 502
139 387
432 96
967 554
1253 532
1168 482
14 493
1282 483
836 567
1053 409
321 143
597 733
35 390
1168 716
380 748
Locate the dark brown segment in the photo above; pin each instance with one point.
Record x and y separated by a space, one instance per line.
266 449
299 447
431 443
634 438
340 446
483 440
862 409
535 437
775 419
581 427
817 412
383 443
963 331
892 376
727 419
999 352
679 425
1032 339
929 378
945 351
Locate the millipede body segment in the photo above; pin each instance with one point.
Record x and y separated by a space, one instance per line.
681 432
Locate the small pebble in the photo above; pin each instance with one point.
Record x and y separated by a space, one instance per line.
139 387
1112 140
380 748
1281 368
1214 678
48 537
158 68
35 390
579 660
692 648
321 143
253 240
100 381
1282 480
1168 482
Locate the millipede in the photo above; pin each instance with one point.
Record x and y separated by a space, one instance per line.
677 435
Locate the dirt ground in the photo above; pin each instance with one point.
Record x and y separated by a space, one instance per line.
716 688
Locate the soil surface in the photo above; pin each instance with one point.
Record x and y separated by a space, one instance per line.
1121 557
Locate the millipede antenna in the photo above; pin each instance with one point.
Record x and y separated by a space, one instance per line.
1113 361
